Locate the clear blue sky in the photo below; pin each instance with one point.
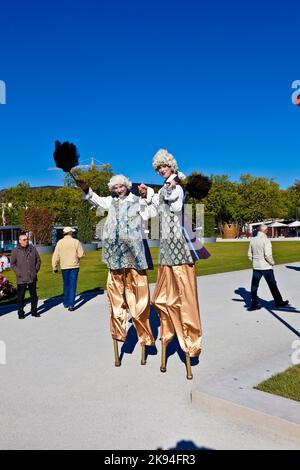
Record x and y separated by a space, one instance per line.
210 81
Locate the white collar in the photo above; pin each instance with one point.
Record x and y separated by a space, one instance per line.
128 198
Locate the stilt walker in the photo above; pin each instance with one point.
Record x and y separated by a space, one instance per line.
175 298
126 253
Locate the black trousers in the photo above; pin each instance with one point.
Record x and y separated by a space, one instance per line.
21 289
268 274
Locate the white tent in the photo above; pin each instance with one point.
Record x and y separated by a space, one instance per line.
296 223
277 225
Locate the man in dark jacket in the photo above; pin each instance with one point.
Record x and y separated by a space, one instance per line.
26 263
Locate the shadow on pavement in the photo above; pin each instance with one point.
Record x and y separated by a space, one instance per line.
81 299
172 348
52 302
269 306
295 268
86 296
9 308
132 340
187 445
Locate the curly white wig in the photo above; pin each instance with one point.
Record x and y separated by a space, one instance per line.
119 179
162 158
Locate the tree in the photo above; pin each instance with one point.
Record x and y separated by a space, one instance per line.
19 197
292 200
39 223
223 200
209 225
84 223
261 198
65 204
96 178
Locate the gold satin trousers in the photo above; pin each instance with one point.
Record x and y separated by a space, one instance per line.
128 290
176 301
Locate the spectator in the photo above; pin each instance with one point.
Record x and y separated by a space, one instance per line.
260 254
68 253
26 263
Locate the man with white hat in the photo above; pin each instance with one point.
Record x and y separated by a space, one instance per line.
68 252
260 254
126 253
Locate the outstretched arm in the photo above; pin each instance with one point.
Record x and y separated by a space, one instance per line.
93 198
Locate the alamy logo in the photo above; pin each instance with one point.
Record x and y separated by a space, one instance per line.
296 94
2 353
2 92
296 353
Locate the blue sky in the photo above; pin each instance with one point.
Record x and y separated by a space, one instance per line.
210 81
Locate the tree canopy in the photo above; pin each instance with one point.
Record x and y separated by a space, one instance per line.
250 199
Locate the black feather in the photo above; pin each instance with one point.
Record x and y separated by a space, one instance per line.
198 186
65 155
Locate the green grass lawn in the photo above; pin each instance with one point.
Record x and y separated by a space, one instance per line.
286 384
230 256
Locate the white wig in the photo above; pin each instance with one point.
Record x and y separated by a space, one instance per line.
164 158
119 179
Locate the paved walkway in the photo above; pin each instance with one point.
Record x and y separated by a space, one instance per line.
60 389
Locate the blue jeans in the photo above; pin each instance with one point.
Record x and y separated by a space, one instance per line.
70 283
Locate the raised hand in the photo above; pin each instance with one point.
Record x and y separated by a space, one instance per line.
142 190
171 185
82 184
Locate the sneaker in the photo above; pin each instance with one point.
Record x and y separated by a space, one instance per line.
21 316
284 303
71 309
37 315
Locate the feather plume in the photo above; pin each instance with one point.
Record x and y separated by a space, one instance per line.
65 155
198 186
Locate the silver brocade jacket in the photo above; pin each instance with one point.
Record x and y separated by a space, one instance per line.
123 243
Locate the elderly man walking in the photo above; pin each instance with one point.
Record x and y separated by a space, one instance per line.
260 254
26 263
68 252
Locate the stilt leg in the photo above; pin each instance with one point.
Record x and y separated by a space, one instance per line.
163 367
116 350
143 356
189 374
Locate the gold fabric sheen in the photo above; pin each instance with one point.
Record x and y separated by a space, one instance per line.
128 290
176 301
